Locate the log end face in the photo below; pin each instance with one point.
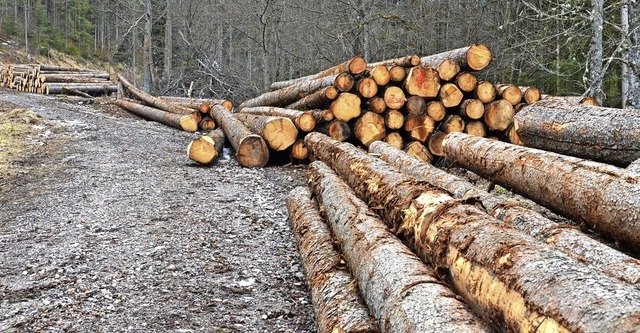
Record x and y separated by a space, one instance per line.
252 152
307 122
189 123
202 150
357 65
479 57
280 133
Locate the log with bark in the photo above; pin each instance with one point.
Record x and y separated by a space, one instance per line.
602 134
207 148
494 267
315 100
304 120
486 92
354 66
251 150
196 103
397 74
509 92
401 292
436 110
600 197
366 87
290 94
336 129
187 123
376 104
299 151
156 102
472 109
467 82
634 166
418 151
419 127
408 61
380 74
89 88
498 115
278 132
473 58
336 303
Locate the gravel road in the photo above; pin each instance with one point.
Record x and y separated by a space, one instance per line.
106 226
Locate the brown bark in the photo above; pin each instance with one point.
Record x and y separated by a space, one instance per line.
601 197
304 120
354 66
510 93
419 127
346 107
472 109
299 151
369 127
89 88
394 119
416 105
290 94
567 239
380 74
498 115
436 110
337 130
452 124
196 103
418 151
408 61
423 82
394 139
471 58
486 92
278 132
434 143
367 87
602 134
467 82
207 124
152 100
376 104
394 97
476 128
397 74
402 293
315 100
531 94
74 92
187 123
251 150
450 95
494 267
207 148
336 303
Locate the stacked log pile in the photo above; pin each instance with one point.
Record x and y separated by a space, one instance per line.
45 79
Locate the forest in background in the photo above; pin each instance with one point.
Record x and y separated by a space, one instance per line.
235 49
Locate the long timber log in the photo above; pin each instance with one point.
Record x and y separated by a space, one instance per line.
156 102
290 94
187 123
601 197
315 100
402 293
475 58
92 88
408 61
251 150
304 120
597 133
355 66
494 267
207 148
196 103
278 132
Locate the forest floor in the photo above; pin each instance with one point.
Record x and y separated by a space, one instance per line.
106 226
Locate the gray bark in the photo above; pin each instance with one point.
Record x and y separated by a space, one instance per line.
147 52
596 72
168 41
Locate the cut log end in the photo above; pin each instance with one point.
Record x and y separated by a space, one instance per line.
397 73
344 82
478 57
394 98
499 115
466 81
346 107
202 150
436 110
357 66
369 128
417 150
394 139
189 123
423 82
448 69
436 142
280 133
252 152
299 151
306 122
450 95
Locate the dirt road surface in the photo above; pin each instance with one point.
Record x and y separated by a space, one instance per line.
106 226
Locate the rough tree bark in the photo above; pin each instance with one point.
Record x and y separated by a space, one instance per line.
152 100
187 123
290 94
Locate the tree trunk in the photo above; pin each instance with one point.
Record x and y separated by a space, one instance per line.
152 100
288 95
402 293
278 132
251 150
147 48
207 148
405 62
346 107
304 120
597 133
196 103
596 71
90 88
634 166
315 100
369 127
495 268
471 58
354 66
337 130
207 124
168 41
187 123
322 116
423 82
601 197
531 94
434 142
567 239
336 302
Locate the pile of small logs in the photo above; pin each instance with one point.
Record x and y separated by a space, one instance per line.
46 79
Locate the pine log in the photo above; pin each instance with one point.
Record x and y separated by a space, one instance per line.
531 94
394 139
476 128
187 123
206 149
304 120
64 79
471 58
290 94
450 95
55 77
448 69
366 87
418 151
498 115
207 124
196 103
472 109
394 97
397 74
601 197
567 239
337 130
434 143
588 100
394 119
89 88
416 105
402 293
315 100
74 92
408 61
634 166
510 92
299 151
380 74
423 82
369 127
278 132
354 66
436 110
322 116
344 82
419 127
573 99
336 303
251 150
467 82
346 107
152 100
486 92
64 69
602 134
494 267
452 124
376 104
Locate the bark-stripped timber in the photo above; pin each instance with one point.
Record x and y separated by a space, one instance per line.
423 82
304 120
278 132
251 150
322 116
476 127
394 97
381 75
453 123
299 151
416 105
436 110
354 66
394 119
512 136
367 87
567 239
448 69
418 151
187 123
153 101
206 149
344 82
531 94
494 267
472 109
196 103
89 88
397 74
336 303
376 104
207 124
315 100
498 115
597 133
450 95
634 166
288 95
485 92
601 197
346 107
402 293
510 92
419 127
369 127
434 143
467 82
471 58
336 129
394 139
408 61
